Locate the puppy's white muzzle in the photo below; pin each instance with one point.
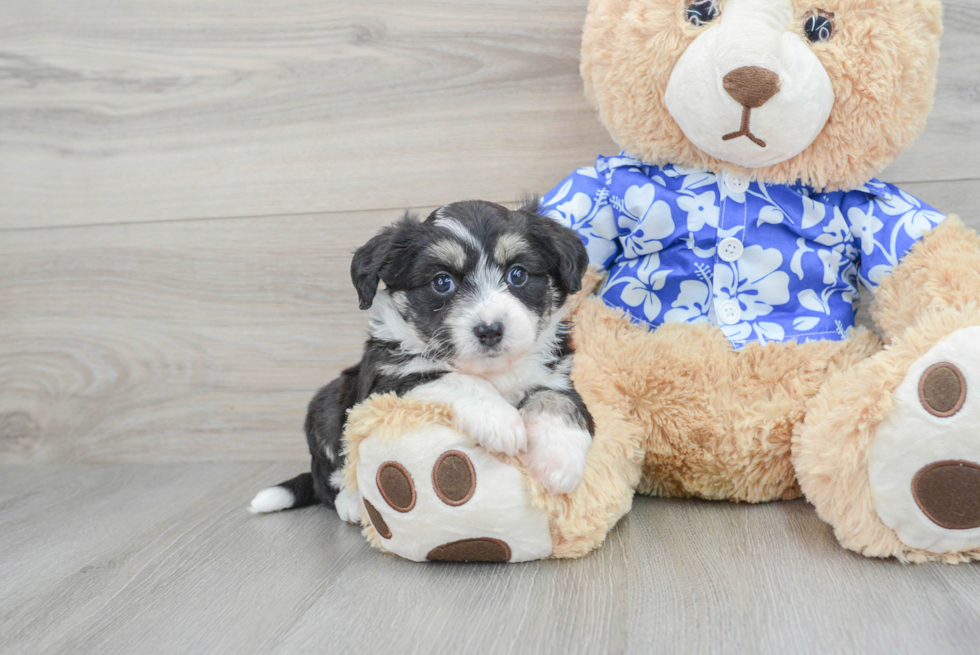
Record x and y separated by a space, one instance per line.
502 312
749 90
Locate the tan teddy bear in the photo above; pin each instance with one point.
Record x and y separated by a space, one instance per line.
719 354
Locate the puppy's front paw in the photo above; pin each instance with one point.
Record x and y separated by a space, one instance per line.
348 505
498 427
556 453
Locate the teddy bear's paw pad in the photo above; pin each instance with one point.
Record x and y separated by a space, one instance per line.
949 493
924 464
376 520
454 478
396 486
433 495
471 550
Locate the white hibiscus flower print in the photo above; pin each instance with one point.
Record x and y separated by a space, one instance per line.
877 274
594 221
646 220
917 223
813 212
641 290
574 213
703 253
692 304
764 332
835 231
701 210
740 332
832 260
864 226
754 280
916 220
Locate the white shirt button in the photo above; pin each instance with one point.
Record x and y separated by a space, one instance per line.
730 249
729 312
736 183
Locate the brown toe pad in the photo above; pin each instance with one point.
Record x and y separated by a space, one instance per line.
948 492
454 478
396 486
376 520
471 550
942 389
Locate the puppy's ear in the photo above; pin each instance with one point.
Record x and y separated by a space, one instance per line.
562 246
373 262
365 268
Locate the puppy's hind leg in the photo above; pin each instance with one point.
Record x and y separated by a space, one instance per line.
290 494
325 422
347 501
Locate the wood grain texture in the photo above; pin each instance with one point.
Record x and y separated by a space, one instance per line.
199 340
190 340
144 317
115 111
164 559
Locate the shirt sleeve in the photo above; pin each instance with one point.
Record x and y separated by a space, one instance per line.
885 223
581 202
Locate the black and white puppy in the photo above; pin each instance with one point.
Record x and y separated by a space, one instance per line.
472 316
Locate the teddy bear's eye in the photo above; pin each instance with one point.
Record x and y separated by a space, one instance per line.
702 12
819 26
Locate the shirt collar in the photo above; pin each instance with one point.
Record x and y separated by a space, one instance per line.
872 187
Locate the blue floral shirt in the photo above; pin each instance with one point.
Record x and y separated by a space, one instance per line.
765 262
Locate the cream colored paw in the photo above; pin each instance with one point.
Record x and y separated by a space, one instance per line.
924 464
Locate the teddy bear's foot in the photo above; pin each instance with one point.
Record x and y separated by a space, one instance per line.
924 463
889 453
432 494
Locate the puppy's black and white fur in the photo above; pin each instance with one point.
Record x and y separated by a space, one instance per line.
471 315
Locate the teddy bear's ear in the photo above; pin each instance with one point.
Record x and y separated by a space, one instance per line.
567 256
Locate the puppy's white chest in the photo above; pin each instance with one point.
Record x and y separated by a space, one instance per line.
514 384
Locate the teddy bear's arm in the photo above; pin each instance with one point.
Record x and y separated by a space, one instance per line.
939 275
581 202
885 223
914 259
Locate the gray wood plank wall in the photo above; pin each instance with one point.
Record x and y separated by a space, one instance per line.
181 185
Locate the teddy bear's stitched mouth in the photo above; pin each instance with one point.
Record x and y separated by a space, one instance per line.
751 87
744 130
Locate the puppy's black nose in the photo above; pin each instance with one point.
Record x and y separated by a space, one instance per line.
489 335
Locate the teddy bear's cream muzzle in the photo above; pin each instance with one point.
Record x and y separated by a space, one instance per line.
749 90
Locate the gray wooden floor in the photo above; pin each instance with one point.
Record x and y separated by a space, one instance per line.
181 186
163 558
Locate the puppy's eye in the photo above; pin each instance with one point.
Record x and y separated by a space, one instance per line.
516 276
701 12
443 284
819 26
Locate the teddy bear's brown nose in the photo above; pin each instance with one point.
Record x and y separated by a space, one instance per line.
751 86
